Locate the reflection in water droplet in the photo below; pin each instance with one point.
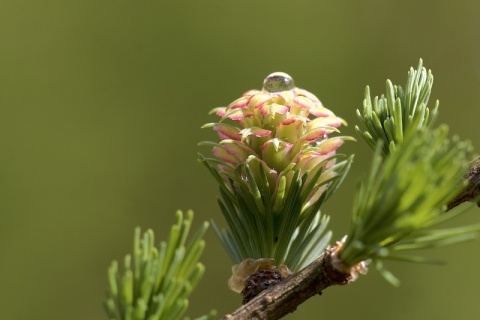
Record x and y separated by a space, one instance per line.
278 81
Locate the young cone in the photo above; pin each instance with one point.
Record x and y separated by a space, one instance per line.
275 164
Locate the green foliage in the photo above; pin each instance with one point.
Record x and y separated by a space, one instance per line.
286 228
157 282
405 194
415 172
388 117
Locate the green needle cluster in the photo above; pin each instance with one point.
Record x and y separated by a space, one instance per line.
286 228
156 282
387 118
415 172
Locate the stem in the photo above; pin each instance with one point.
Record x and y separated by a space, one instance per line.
472 190
283 298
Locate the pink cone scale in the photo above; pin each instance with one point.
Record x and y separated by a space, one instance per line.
287 130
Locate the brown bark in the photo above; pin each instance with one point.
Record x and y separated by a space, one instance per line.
284 297
472 191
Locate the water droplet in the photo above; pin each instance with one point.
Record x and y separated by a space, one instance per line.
278 81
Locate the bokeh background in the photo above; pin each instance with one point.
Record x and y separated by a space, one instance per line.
101 104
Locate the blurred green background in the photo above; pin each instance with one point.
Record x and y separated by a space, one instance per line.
101 108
